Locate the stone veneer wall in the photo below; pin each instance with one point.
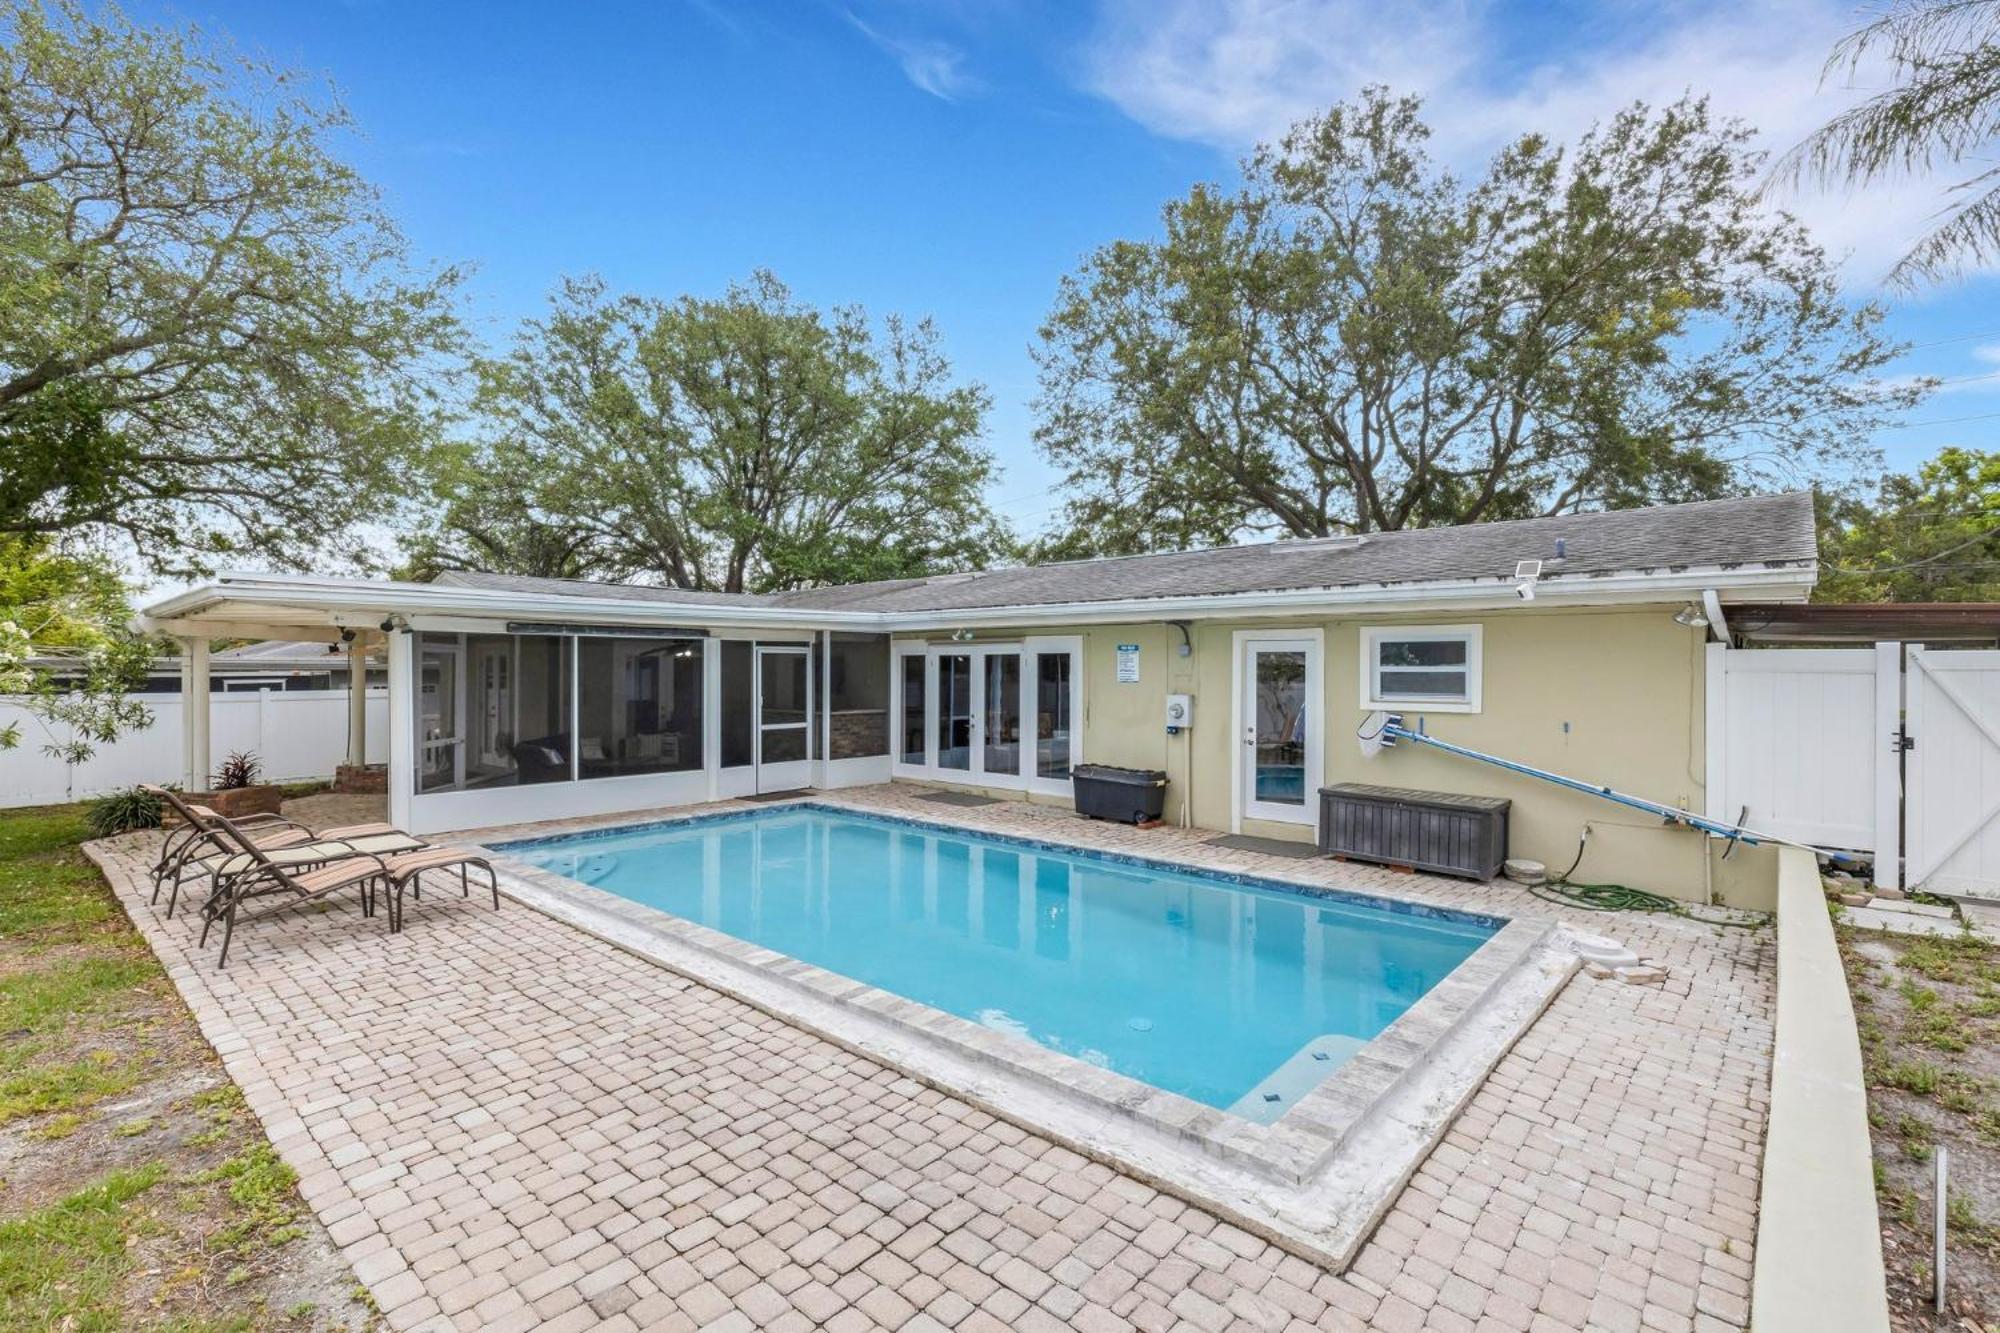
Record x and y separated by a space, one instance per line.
860 735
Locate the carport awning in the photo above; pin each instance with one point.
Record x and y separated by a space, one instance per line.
1961 623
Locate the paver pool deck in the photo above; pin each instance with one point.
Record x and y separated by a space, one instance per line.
508 1124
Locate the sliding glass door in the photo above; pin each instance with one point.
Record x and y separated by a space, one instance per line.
995 715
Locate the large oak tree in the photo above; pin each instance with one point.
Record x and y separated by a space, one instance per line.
744 443
212 339
1357 340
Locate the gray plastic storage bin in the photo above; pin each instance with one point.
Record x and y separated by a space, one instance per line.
1425 830
1128 795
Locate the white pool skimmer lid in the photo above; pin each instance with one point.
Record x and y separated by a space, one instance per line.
1600 949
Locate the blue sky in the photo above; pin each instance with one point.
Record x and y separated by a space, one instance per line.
954 158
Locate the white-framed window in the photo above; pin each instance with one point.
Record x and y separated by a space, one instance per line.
1429 668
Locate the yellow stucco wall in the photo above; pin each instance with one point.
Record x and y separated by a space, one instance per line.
1609 695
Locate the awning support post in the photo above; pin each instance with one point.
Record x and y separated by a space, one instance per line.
357 702
196 764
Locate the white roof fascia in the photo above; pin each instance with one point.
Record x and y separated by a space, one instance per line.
361 601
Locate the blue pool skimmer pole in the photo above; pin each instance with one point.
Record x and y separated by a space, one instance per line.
1382 730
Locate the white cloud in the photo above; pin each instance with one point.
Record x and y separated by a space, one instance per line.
1233 72
937 68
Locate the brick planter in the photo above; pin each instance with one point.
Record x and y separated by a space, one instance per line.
260 799
361 779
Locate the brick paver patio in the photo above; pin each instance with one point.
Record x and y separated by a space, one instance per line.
508 1124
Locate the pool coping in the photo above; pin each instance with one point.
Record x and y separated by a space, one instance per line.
1315 1180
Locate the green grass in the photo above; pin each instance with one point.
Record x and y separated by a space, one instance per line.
265 1208
1918 1076
62 1266
47 999
49 891
65 1086
52 897
46 1015
80 997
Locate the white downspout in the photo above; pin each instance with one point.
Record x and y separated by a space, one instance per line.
1718 625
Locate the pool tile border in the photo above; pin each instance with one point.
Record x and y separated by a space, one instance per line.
1303 1181
1406 906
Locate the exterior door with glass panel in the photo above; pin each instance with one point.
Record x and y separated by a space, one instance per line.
784 719
493 677
1278 772
955 714
1000 713
440 715
1054 719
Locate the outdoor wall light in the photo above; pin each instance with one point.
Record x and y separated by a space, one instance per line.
961 636
1691 616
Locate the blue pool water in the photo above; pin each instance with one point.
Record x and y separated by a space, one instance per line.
1234 995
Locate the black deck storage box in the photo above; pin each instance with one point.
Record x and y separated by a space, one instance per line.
1128 795
1426 830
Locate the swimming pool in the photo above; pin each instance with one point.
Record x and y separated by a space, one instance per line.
1238 995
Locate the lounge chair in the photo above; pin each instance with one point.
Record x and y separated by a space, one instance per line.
406 872
267 876
194 838
207 847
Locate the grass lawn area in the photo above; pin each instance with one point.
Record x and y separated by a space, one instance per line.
136 1191
1929 1016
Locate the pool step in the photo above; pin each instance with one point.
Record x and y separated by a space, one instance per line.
1283 1088
1404 1052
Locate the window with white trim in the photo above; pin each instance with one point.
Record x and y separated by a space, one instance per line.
1421 667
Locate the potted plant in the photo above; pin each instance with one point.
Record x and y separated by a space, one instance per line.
238 792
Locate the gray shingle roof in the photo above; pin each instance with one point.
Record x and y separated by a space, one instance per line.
1758 532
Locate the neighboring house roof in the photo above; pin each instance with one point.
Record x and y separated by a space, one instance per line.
1768 531
261 658
280 655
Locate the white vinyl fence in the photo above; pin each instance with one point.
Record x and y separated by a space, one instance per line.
298 734
1796 736
1952 813
1892 750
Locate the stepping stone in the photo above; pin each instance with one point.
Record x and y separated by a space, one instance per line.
1899 923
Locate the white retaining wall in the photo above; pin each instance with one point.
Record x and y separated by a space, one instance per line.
299 734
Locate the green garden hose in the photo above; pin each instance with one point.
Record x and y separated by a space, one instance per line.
1565 892
1605 897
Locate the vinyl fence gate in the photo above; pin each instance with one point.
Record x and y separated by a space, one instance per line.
1892 750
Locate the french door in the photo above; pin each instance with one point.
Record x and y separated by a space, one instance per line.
998 715
784 695
1277 707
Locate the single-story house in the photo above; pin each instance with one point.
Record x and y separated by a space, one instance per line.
1573 643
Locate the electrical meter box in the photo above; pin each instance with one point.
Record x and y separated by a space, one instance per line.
1180 713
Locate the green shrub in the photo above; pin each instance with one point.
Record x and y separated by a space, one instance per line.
123 811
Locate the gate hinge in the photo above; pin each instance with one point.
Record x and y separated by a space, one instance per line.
1905 741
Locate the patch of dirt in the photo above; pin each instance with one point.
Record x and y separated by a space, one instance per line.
219 1238
1929 1015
